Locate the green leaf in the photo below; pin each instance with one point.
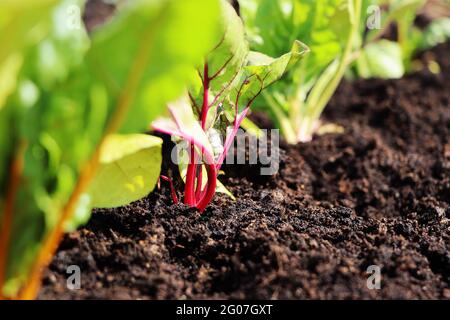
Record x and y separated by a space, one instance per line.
23 23
403 13
438 31
220 188
330 28
399 8
270 69
130 166
229 81
6 146
262 71
9 70
315 23
224 61
382 59
64 49
71 91
160 58
252 128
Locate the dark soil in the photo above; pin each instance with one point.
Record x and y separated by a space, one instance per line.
378 194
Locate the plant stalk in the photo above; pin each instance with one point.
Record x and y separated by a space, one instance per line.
313 109
7 218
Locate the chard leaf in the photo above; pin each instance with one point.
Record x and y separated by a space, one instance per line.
403 14
183 124
438 31
262 71
223 63
229 80
279 23
129 170
220 188
252 128
331 30
382 59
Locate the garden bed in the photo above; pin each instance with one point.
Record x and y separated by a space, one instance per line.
376 195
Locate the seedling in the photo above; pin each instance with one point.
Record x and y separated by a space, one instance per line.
335 31
229 81
330 28
391 59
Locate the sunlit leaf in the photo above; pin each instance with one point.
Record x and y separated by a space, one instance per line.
130 166
382 59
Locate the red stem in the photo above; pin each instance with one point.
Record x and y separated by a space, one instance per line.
198 190
189 195
230 138
205 106
211 185
172 189
194 177
205 109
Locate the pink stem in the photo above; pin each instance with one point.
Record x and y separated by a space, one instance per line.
204 115
211 185
189 196
198 191
230 138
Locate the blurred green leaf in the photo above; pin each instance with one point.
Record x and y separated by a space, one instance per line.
438 31
23 23
160 58
225 60
71 91
382 59
403 13
9 70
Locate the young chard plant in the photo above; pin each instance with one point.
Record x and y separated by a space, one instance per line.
391 59
70 108
330 29
229 81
